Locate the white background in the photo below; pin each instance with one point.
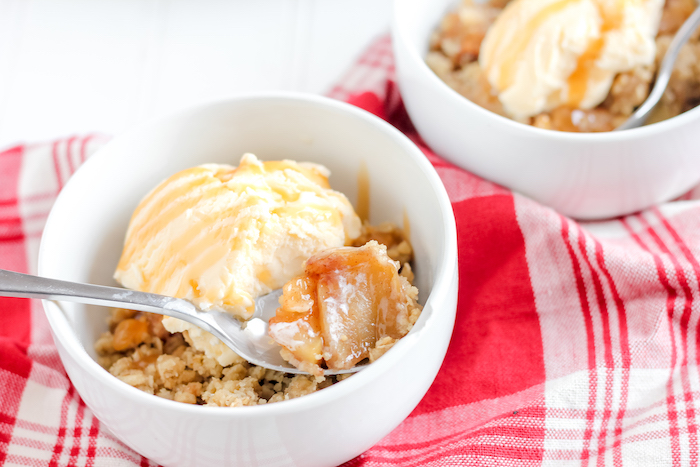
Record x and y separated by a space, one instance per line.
78 66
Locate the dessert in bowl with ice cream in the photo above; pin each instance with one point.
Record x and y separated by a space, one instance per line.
221 236
569 65
326 427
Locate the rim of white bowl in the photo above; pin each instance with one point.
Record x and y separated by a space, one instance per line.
441 284
399 36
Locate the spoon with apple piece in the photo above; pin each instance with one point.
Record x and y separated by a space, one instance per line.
248 339
640 116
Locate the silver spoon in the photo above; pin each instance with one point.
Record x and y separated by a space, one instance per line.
249 340
664 74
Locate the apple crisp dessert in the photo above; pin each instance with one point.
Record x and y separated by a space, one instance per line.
600 70
138 349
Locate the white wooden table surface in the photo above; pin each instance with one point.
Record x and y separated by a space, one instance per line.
77 66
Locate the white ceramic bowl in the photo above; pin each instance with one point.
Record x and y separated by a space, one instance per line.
84 236
585 176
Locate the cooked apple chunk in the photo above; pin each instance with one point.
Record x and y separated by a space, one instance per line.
347 300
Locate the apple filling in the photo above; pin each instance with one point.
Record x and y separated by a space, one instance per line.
350 304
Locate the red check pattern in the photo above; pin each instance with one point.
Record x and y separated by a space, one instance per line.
575 343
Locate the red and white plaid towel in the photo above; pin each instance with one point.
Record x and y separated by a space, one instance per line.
575 343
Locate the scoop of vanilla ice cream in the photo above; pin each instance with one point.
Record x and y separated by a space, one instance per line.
220 236
542 54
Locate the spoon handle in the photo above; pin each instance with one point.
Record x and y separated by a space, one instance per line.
15 284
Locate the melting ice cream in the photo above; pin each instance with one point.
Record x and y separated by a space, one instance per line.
542 54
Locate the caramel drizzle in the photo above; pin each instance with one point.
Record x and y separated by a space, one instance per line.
160 211
406 227
204 243
586 67
514 51
363 193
